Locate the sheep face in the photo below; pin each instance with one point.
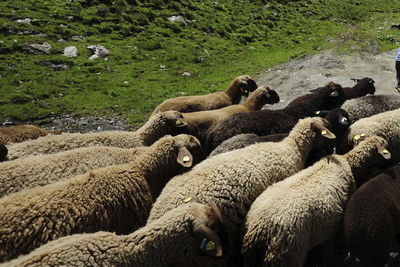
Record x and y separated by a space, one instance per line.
330 96
175 120
189 150
210 237
367 85
338 120
324 141
247 85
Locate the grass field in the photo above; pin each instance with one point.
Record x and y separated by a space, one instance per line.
218 41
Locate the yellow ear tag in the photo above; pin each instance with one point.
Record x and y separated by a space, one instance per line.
246 91
317 112
344 119
362 134
323 132
385 151
398 89
178 122
186 159
332 93
357 137
210 245
186 200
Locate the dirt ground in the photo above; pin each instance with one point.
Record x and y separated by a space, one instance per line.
296 77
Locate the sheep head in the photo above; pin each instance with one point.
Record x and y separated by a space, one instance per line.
247 84
174 119
366 85
210 237
338 120
324 141
189 150
328 97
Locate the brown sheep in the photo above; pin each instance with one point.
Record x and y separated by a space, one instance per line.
241 86
20 133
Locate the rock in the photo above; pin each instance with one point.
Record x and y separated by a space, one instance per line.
78 38
62 41
186 74
55 66
178 18
37 49
25 20
70 51
98 51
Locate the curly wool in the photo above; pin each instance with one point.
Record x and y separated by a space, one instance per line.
164 242
385 125
242 85
302 211
156 127
371 105
20 133
41 170
104 199
233 180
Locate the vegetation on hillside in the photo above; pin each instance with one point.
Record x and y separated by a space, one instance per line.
218 41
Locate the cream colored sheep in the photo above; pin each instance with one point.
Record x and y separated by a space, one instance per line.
187 231
20 133
302 211
169 122
234 179
386 125
241 86
202 122
115 198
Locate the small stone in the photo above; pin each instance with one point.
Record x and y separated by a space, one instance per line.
63 26
37 49
162 66
70 51
178 18
186 74
98 51
25 20
78 38
126 82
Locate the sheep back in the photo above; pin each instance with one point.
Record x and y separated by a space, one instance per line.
20 133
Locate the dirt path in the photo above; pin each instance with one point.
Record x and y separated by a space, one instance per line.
296 77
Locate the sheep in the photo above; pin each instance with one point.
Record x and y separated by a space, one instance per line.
234 179
115 198
338 124
328 97
266 122
185 232
306 209
384 124
3 153
363 87
201 123
372 218
169 122
41 170
20 133
241 86
368 106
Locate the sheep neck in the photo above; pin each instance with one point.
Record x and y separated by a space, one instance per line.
302 139
158 166
152 130
234 92
254 102
361 161
162 241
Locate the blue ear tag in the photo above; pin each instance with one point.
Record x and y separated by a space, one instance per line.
203 243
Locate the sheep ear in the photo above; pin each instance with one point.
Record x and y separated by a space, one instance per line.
322 130
180 122
315 90
184 158
208 241
334 93
384 152
321 113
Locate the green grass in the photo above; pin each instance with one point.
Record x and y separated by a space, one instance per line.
222 40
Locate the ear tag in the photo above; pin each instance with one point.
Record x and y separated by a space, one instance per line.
178 122
344 119
398 89
186 159
332 93
210 245
186 200
362 134
317 112
385 151
246 91
323 132
357 137
203 243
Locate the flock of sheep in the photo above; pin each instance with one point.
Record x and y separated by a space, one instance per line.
207 181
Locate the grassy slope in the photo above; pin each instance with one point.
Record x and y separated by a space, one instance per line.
222 39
